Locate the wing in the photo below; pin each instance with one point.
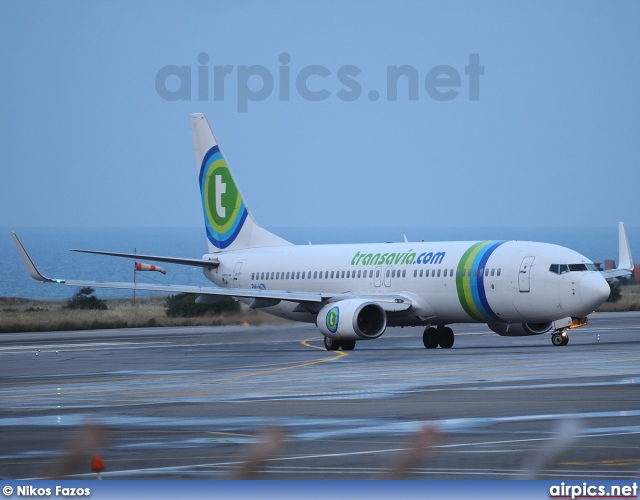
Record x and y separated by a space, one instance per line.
308 301
616 273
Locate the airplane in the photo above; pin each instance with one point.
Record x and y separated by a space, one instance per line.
353 292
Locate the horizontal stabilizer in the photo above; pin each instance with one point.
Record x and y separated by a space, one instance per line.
211 264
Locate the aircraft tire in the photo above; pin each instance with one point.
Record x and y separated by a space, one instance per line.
445 337
430 338
332 344
558 339
348 345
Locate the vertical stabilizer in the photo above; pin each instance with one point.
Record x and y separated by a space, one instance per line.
228 222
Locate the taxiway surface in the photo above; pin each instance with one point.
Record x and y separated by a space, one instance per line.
195 403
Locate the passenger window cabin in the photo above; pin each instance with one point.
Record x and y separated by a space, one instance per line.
402 273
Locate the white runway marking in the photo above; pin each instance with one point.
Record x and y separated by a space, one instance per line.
91 346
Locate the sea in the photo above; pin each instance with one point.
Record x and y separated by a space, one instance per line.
50 248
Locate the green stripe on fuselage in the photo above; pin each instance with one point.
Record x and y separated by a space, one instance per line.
463 283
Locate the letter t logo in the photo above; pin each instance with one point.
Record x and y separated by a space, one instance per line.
220 189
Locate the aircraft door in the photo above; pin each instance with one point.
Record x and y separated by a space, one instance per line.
387 276
377 277
237 271
524 276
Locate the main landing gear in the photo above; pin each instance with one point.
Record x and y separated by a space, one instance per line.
441 336
560 338
335 344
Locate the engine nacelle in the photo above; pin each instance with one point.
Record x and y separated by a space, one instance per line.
519 329
352 319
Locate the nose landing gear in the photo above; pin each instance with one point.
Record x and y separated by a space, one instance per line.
560 338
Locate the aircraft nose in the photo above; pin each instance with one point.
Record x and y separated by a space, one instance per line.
594 290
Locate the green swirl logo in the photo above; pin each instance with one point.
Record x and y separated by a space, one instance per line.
332 319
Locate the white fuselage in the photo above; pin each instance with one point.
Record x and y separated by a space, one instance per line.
448 282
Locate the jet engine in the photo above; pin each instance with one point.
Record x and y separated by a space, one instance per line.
519 329
352 319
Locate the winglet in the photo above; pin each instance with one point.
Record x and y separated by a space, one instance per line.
28 263
625 261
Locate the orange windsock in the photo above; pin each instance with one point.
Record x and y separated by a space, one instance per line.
97 465
149 267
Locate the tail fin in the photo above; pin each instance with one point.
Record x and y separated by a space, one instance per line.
228 222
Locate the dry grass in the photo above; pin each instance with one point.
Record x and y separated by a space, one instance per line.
23 315
630 300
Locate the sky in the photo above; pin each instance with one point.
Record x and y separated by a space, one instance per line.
506 114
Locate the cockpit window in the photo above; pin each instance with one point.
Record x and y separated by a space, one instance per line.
577 267
565 268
